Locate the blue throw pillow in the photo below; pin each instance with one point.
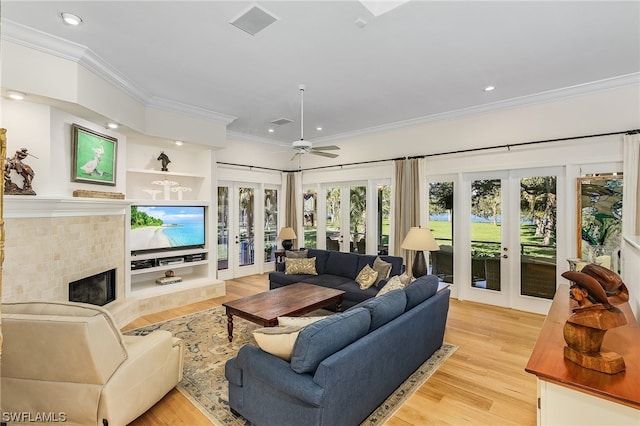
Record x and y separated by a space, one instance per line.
420 290
326 337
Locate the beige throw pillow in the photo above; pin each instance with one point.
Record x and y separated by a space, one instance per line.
367 277
394 283
277 341
300 266
383 268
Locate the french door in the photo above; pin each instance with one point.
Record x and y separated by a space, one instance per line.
509 241
237 232
345 217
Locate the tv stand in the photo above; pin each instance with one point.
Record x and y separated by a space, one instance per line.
191 265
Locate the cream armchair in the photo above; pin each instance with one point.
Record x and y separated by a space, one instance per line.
70 359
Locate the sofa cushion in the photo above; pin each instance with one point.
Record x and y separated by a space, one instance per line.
420 290
367 277
279 279
298 254
277 341
295 266
385 308
321 259
323 338
328 280
342 264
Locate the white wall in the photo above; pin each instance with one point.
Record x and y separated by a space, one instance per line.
46 132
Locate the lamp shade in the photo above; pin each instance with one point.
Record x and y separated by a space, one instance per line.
287 234
420 239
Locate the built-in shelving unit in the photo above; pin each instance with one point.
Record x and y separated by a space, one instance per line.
146 268
195 266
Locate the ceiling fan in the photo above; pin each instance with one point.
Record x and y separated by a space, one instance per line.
306 147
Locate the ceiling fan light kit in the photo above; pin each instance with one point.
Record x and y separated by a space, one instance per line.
306 147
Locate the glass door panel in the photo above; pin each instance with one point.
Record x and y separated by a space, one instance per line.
441 225
538 205
223 228
384 208
270 224
357 219
246 231
334 219
486 234
310 218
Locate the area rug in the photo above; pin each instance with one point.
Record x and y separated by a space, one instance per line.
208 348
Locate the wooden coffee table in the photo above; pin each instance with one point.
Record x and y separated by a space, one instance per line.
291 300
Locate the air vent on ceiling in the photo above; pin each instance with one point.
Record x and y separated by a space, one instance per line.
281 121
254 20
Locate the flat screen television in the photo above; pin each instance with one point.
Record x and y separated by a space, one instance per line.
160 228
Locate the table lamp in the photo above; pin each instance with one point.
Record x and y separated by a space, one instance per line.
419 239
287 235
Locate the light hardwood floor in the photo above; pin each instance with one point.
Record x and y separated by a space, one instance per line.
482 383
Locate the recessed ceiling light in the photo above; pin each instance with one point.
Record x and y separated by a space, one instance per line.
319 128
489 88
112 125
270 130
70 18
16 96
179 143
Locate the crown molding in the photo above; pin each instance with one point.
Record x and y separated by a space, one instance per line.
65 49
542 97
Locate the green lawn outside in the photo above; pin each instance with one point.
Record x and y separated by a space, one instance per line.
491 233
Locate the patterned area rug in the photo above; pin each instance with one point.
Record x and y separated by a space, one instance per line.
208 348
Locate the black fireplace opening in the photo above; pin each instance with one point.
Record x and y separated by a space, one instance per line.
98 289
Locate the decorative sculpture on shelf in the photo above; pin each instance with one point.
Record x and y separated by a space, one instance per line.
180 190
165 161
23 170
595 291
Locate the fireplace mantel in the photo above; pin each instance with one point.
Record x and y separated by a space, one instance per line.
26 206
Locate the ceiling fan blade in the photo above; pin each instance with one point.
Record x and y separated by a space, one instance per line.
295 155
327 148
323 154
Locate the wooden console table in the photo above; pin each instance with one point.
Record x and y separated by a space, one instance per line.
572 395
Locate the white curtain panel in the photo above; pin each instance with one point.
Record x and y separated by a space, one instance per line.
631 202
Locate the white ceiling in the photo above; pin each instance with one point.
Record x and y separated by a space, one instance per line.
419 60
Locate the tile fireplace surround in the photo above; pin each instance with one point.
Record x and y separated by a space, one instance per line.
50 242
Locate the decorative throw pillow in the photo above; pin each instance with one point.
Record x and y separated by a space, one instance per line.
383 268
406 279
300 266
296 254
367 277
298 321
277 341
394 283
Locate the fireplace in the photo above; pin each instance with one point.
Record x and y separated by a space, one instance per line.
98 289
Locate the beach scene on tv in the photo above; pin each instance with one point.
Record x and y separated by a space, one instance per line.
166 227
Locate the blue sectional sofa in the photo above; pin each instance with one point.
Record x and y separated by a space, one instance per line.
338 270
344 366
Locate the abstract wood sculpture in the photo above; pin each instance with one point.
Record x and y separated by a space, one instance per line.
594 292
